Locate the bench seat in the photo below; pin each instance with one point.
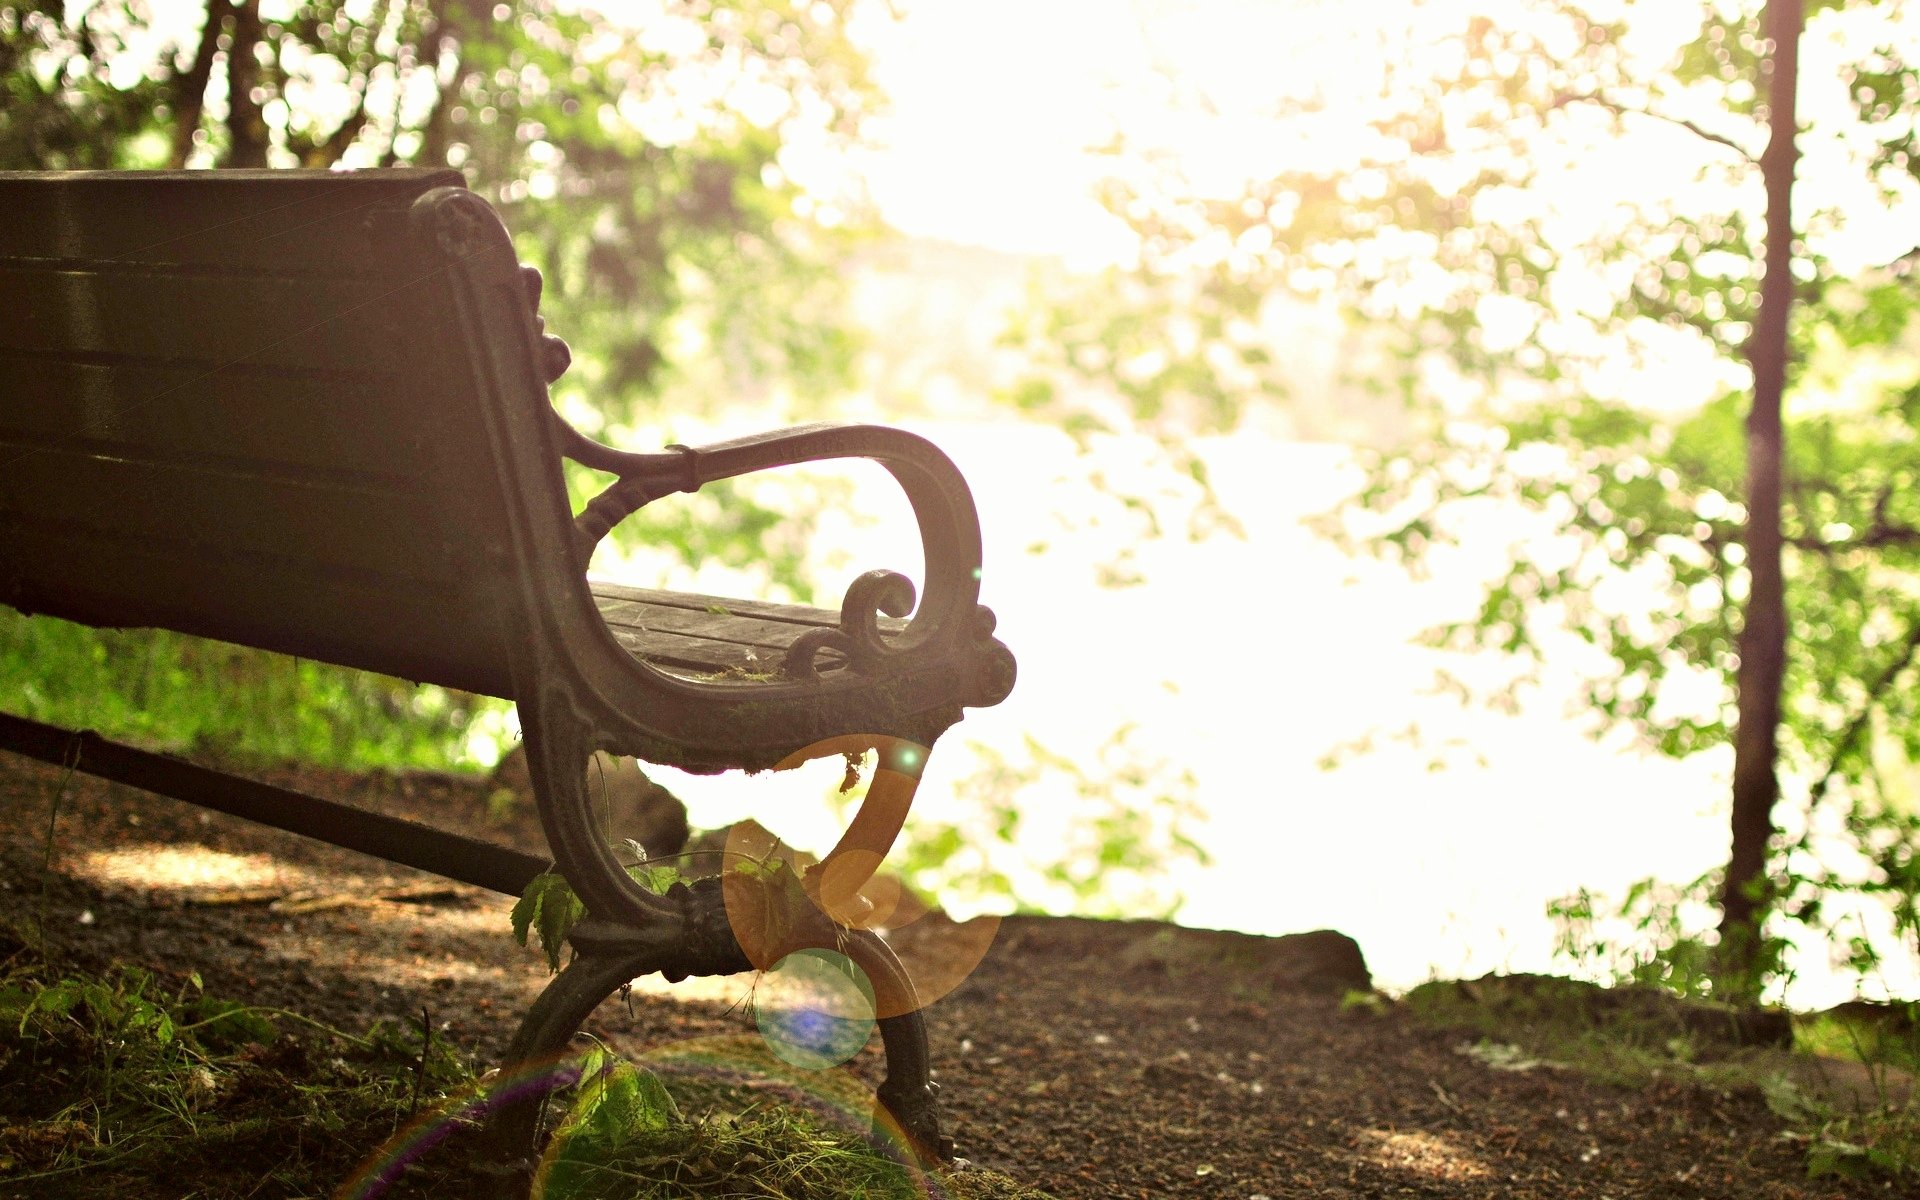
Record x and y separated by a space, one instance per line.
308 412
713 638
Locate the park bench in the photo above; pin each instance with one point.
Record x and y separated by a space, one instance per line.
307 412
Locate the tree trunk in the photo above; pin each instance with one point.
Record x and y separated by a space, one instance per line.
1763 637
439 25
190 90
246 128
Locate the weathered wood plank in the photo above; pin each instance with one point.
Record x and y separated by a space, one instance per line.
432 631
197 508
676 630
291 221
771 636
799 614
346 429
255 322
698 657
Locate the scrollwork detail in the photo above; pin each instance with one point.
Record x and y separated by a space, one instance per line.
873 595
799 661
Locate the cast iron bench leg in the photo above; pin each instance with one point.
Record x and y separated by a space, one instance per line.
609 956
685 932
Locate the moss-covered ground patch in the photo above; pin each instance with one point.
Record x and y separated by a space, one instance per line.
1839 1080
124 1085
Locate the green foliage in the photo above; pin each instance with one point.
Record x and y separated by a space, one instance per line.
616 1106
627 1137
1635 1036
1524 313
645 169
1885 1036
112 1085
186 693
1125 825
549 909
1829 1157
777 1154
1654 936
1625 1035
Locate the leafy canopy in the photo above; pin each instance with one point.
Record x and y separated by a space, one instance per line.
675 178
1540 223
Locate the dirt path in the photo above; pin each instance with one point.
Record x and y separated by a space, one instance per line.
1091 1059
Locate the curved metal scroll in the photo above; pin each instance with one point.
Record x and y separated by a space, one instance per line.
942 505
559 746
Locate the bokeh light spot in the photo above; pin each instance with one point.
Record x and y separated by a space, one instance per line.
815 1009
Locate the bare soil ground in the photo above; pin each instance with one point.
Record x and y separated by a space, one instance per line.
1091 1059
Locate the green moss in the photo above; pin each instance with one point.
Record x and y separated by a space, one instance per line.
1632 1035
120 1086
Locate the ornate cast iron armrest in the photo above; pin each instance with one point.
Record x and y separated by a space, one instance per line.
950 615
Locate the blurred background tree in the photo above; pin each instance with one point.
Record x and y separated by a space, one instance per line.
1547 226
672 175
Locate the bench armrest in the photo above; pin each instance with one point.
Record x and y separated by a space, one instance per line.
942 507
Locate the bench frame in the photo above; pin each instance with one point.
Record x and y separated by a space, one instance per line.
865 681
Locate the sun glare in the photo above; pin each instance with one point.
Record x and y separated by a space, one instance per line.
181 868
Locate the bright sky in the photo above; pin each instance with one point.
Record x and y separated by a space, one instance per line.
994 106
996 103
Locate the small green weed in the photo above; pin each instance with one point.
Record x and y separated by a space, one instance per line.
1886 1036
1631 1035
632 1136
549 909
117 1086
627 1139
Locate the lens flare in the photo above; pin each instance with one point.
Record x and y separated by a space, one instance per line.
815 1008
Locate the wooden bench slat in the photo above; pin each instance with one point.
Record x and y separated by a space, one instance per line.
700 658
16 445
768 610
302 324
272 515
304 221
677 630
721 626
410 628
232 272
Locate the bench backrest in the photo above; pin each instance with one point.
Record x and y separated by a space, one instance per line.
249 406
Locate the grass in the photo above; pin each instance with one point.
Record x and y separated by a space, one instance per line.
121 1085
177 692
1632 1036
117 1085
634 1135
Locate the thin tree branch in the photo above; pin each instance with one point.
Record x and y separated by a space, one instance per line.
1880 534
1628 110
1857 727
